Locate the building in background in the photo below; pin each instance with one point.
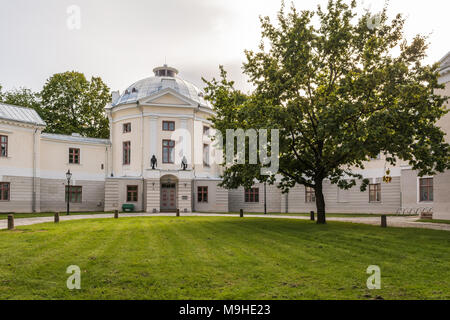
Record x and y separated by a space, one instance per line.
160 157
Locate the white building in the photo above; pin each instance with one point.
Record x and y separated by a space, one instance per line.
167 117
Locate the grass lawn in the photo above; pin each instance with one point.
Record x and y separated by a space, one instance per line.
4 216
222 258
434 221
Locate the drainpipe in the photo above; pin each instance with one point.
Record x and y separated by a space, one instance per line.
33 203
142 155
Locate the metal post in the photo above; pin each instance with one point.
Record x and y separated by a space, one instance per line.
56 217
68 197
241 213
312 216
265 199
10 221
384 221
116 214
178 212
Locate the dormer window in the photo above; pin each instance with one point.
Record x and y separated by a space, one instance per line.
134 90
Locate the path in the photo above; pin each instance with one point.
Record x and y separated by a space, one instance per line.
402 222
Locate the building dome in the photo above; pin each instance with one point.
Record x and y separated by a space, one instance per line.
165 77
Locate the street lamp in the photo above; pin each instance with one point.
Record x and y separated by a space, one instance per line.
68 177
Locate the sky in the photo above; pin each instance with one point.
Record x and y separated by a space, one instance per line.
122 41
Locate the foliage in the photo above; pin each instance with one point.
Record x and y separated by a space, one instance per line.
70 103
339 95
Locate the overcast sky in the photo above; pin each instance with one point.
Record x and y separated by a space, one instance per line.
123 40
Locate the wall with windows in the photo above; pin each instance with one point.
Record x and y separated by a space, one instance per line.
237 199
216 197
117 193
85 195
56 159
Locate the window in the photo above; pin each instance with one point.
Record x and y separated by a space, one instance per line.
168 151
3 146
310 195
206 130
126 152
74 193
132 193
168 126
375 192
426 189
74 156
203 194
126 127
206 155
252 195
4 191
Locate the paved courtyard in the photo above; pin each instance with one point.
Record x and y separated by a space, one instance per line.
402 222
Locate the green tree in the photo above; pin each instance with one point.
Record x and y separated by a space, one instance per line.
330 81
23 97
71 103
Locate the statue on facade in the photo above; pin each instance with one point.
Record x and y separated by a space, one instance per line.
154 162
184 163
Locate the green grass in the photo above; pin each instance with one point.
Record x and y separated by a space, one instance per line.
222 258
4 216
434 221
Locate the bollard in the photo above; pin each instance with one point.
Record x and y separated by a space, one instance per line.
241 213
116 214
178 212
312 216
10 222
384 221
56 217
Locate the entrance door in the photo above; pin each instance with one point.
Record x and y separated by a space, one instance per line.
168 197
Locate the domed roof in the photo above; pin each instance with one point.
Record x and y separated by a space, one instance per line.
165 77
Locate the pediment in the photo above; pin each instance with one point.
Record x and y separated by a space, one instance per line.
168 97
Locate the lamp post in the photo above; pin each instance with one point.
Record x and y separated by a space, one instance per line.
68 176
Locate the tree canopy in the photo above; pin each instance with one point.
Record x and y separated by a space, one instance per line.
331 82
68 103
71 103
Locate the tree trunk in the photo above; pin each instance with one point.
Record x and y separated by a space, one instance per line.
320 203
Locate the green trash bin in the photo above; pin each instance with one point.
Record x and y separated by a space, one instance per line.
128 207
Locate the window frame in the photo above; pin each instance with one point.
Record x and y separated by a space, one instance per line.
77 190
374 192
169 147
126 153
429 187
310 195
168 125
202 194
5 144
73 153
5 187
251 195
206 160
126 127
131 193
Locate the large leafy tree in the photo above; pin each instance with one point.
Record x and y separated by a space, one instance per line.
71 103
330 81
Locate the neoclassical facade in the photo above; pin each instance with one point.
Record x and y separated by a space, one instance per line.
160 157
